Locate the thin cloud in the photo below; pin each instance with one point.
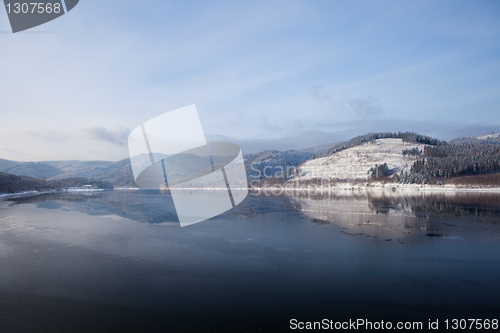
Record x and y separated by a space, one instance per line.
116 136
367 107
318 94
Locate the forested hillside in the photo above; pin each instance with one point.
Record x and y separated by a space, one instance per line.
371 137
37 170
489 139
268 163
14 184
438 161
453 160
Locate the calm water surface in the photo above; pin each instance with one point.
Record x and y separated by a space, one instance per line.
119 261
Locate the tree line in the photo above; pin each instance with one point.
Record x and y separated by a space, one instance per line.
15 184
453 160
371 137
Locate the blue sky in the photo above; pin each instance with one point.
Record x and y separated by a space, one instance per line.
263 74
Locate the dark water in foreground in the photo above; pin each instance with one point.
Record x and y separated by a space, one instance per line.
119 261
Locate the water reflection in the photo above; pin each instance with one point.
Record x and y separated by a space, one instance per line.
311 255
399 217
383 216
153 206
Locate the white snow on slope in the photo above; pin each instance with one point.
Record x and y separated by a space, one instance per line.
488 136
354 163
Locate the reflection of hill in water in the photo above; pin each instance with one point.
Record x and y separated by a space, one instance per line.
482 205
260 206
380 216
473 207
153 206
138 205
393 216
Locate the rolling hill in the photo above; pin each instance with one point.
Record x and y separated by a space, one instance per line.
355 162
350 160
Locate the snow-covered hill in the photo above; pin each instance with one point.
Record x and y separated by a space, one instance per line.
354 163
489 136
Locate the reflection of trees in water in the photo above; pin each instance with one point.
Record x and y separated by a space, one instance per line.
50 196
143 206
481 207
470 206
153 206
260 205
318 195
403 217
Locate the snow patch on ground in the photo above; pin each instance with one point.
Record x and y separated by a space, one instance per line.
354 163
18 193
489 136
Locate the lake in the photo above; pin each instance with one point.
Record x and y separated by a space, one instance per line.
119 261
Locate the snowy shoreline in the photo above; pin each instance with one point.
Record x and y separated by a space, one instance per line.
393 187
19 194
5 196
280 189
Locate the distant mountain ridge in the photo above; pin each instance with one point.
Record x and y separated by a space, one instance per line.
14 184
119 173
259 165
39 170
491 139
